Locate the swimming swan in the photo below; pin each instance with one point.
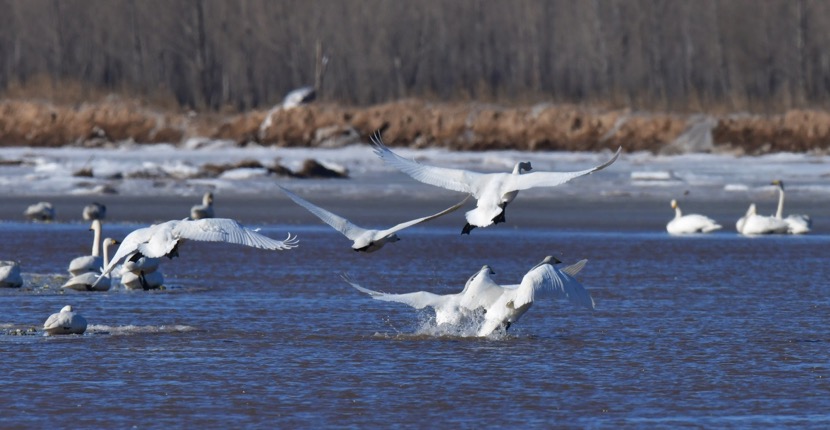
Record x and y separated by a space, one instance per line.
796 224
10 275
204 210
692 223
41 211
365 240
94 210
164 239
142 274
494 191
93 262
65 322
88 281
502 305
752 224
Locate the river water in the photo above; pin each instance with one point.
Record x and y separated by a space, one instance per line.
708 331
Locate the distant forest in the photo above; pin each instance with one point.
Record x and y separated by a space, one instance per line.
697 55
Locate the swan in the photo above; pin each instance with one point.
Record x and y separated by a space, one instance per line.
493 191
10 275
142 280
542 280
452 309
753 224
88 281
692 223
204 210
164 239
93 262
796 224
65 322
502 305
364 240
41 211
94 210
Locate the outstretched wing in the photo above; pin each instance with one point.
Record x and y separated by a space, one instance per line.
227 230
552 179
404 225
451 179
344 226
417 300
547 280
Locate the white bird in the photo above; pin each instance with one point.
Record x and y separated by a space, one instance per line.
493 191
94 210
164 239
142 281
479 291
692 223
65 322
502 305
10 275
88 281
41 211
365 240
752 224
93 262
204 210
796 223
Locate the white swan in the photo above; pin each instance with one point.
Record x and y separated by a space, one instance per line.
41 211
65 322
365 240
502 305
796 223
88 281
10 275
204 210
692 223
142 281
164 239
94 210
93 262
752 224
494 191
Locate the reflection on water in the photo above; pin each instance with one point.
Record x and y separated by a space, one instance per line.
715 331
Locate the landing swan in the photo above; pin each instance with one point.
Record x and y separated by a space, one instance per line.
692 223
164 239
10 275
502 305
88 281
796 224
493 191
365 240
92 262
65 322
752 224
94 210
204 210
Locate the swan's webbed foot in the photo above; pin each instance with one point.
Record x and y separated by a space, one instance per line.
174 252
467 228
500 217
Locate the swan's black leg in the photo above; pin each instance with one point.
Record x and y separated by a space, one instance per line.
143 281
467 228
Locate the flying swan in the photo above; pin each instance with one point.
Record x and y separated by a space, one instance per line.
493 191
164 239
691 223
796 224
502 305
65 322
752 224
364 240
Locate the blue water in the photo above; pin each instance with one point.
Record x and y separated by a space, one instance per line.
713 331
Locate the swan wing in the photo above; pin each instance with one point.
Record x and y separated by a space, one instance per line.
344 226
452 179
548 281
552 179
404 225
226 230
418 299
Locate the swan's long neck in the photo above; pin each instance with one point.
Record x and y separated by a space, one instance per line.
780 213
96 240
107 253
677 212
